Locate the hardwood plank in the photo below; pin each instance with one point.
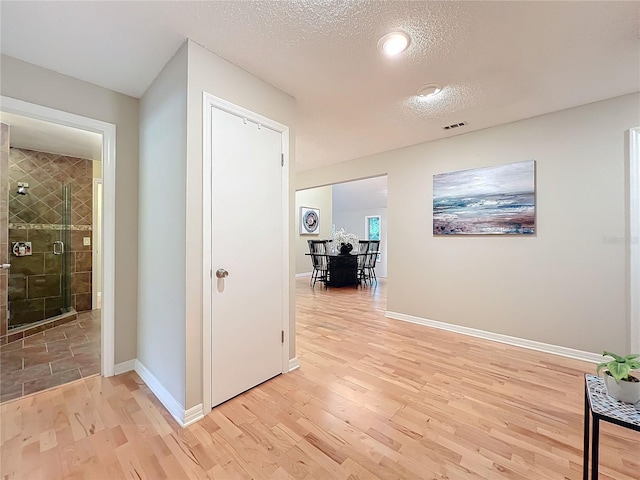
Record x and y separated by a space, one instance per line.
373 399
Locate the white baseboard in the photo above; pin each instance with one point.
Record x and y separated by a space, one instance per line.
193 415
124 367
305 274
177 411
293 364
498 337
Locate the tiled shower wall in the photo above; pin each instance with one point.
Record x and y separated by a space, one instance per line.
4 224
34 284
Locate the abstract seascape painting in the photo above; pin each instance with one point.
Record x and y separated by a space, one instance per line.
490 200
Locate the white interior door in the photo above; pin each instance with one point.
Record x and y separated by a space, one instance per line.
246 242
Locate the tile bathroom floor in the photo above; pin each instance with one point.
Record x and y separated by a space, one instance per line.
51 358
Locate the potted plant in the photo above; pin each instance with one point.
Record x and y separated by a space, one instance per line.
620 384
345 242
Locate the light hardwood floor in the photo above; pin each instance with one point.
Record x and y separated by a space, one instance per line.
374 399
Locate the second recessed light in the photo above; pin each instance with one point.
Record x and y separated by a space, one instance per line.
429 90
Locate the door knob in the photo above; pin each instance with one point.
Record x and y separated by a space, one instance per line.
5 266
222 273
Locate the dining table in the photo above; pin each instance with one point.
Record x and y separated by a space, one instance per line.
342 268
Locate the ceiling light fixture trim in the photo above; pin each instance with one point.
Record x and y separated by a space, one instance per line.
394 43
429 90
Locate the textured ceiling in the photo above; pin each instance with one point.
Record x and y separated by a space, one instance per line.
498 61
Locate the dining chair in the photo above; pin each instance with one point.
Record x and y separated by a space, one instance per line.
363 248
374 246
319 261
370 260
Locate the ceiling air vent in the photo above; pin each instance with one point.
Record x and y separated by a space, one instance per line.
455 125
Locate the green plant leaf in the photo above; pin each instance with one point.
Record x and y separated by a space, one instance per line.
620 367
618 370
601 366
618 358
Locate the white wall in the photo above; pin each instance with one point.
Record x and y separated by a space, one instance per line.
27 82
563 286
320 198
210 73
161 229
353 222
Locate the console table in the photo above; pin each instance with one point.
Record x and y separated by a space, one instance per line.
603 407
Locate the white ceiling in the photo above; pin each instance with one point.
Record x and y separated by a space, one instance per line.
360 194
499 61
48 137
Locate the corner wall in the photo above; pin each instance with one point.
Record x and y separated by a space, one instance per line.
161 248
564 286
29 83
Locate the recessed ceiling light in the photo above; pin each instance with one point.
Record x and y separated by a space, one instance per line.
429 90
394 43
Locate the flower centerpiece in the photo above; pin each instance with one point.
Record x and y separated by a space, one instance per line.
345 242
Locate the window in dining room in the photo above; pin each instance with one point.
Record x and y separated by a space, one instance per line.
372 227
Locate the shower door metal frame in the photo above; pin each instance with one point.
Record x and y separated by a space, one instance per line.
65 240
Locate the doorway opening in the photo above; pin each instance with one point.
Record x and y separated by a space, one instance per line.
358 207
53 332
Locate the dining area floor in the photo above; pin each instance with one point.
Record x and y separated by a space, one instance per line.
447 405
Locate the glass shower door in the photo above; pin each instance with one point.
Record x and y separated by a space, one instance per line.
40 253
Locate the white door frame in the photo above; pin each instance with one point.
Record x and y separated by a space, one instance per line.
208 103
108 132
633 240
96 247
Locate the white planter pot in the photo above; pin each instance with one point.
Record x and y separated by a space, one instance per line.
627 392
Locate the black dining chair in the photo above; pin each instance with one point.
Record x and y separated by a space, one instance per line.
370 260
363 248
374 246
319 261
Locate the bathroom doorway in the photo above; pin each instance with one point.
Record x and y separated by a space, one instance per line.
51 329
